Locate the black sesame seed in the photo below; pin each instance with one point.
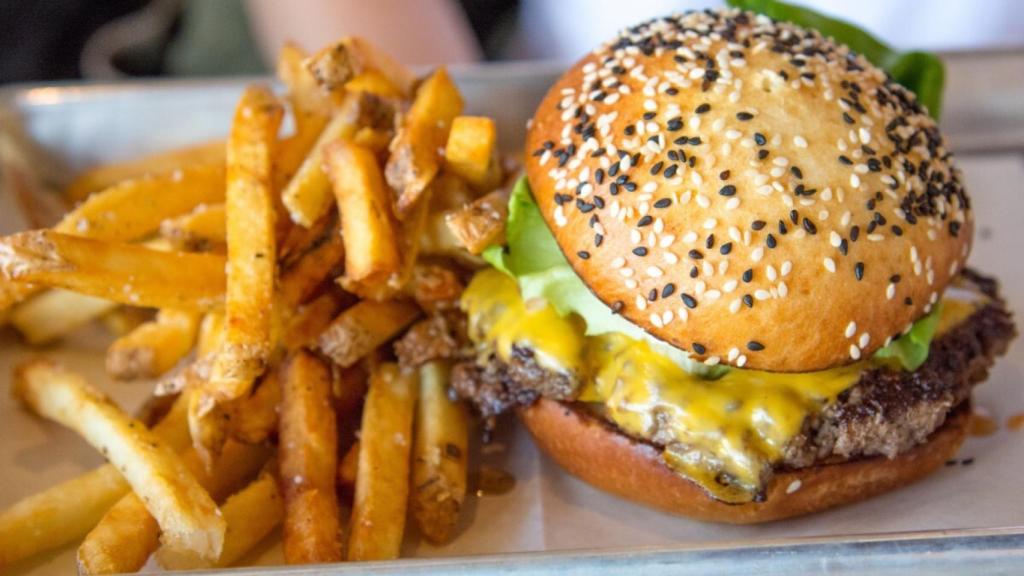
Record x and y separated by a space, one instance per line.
758 224
844 247
657 168
598 240
783 230
726 248
703 108
675 124
613 169
583 254
649 115
748 275
748 300
809 226
710 242
668 290
599 176
847 118
613 189
897 230
727 190
762 154
699 348
755 346
794 216
858 270
744 116
695 141
723 175
854 233
630 186
908 301
671 171
640 251
645 221
760 139
663 203
796 172
688 300
696 254
618 306
895 278
844 160
652 295
770 241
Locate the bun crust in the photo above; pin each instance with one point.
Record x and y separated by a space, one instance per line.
615 463
821 214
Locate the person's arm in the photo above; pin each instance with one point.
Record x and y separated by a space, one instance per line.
412 31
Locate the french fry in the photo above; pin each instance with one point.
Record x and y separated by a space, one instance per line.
414 159
126 536
371 253
201 230
187 516
436 287
251 248
472 151
382 476
309 103
308 321
480 223
337 65
255 418
322 261
154 347
66 512
56 313
134 208
440 453
122 273
211 333
250 514
348 469
307 196
123 319
205 154
374 82
308 459
360 329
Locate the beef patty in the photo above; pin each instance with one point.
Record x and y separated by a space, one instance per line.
886 412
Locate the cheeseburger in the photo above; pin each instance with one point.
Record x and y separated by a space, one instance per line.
735 282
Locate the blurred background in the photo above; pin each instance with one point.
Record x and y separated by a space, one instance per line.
45 40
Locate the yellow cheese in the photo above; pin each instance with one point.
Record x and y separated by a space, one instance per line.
723 434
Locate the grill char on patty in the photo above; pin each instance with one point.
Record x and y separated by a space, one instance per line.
886 412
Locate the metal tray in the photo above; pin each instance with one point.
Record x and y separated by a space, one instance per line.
83 124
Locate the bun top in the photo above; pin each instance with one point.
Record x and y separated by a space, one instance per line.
749 191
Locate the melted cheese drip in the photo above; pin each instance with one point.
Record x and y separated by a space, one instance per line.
723 434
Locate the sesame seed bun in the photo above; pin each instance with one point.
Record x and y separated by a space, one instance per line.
607 459
769 201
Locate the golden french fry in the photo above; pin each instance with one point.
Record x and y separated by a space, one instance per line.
123 319
308 321
374 82
126 536
440 454
382 476
251 248
371 251
415 152
307 196
308 459
472 151
309 103
360 329
56 313
211 333
250 514
348 468
134 208
480 223
374 139
154 347
301 279
205 154
337 65
255 418
187 516
66 512
122 273
436 287
201 230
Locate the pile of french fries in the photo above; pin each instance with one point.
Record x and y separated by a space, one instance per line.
261 282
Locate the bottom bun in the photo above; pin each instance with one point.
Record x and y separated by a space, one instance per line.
604 457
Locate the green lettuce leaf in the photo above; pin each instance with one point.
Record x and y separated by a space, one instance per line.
911 349
533 258
920 72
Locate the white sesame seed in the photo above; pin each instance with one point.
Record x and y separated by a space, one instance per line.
793 486
757 254
734 306
666 317
835 239
712 361
865 338
830 264
667 240
876 237
783 290
630 283
851 329
865 136
890 291
690 237
771 273
762 294
786 268
634 236
654 271
741 361
626 272
710 224
799 142
734 353
854 180
732 203
854 352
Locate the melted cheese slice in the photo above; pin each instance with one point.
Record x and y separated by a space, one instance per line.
723 434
